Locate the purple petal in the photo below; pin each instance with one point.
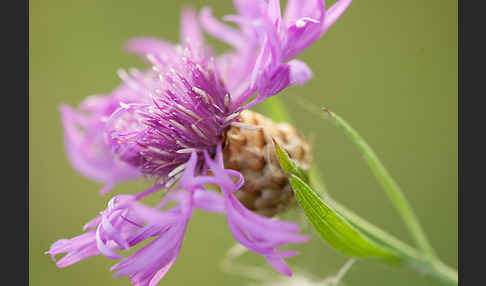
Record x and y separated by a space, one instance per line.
209 201
92 223
87 150
300 73
249 8
103 246
161 273
149 264
112 232
259 234
220 30
274 10
297 9
279 264
334 12
190 30
77 248
147 232
300 36
148 45
120 226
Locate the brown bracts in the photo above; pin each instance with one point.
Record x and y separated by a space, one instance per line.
249 149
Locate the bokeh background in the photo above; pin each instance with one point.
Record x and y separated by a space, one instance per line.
388 67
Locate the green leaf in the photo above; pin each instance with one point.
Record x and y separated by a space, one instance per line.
331 226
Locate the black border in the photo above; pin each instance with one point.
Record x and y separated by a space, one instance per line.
471 78
14 134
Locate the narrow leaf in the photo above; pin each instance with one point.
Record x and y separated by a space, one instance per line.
333 228
388 184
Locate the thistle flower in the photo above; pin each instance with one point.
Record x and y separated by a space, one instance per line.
170 122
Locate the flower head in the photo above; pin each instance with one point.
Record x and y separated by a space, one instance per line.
170 122
187 111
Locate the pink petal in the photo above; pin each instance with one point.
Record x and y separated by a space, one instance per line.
148 45
334 12
220 30
190 30
300 73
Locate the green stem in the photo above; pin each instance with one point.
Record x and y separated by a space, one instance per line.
389 185
276 110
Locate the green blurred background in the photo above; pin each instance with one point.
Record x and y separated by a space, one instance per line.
388 67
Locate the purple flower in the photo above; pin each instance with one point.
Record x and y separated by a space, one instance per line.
85 144
124 224
278 38
188 111
168 122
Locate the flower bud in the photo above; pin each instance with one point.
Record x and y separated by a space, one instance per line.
249 150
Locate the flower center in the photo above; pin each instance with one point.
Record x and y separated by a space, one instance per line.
183 108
